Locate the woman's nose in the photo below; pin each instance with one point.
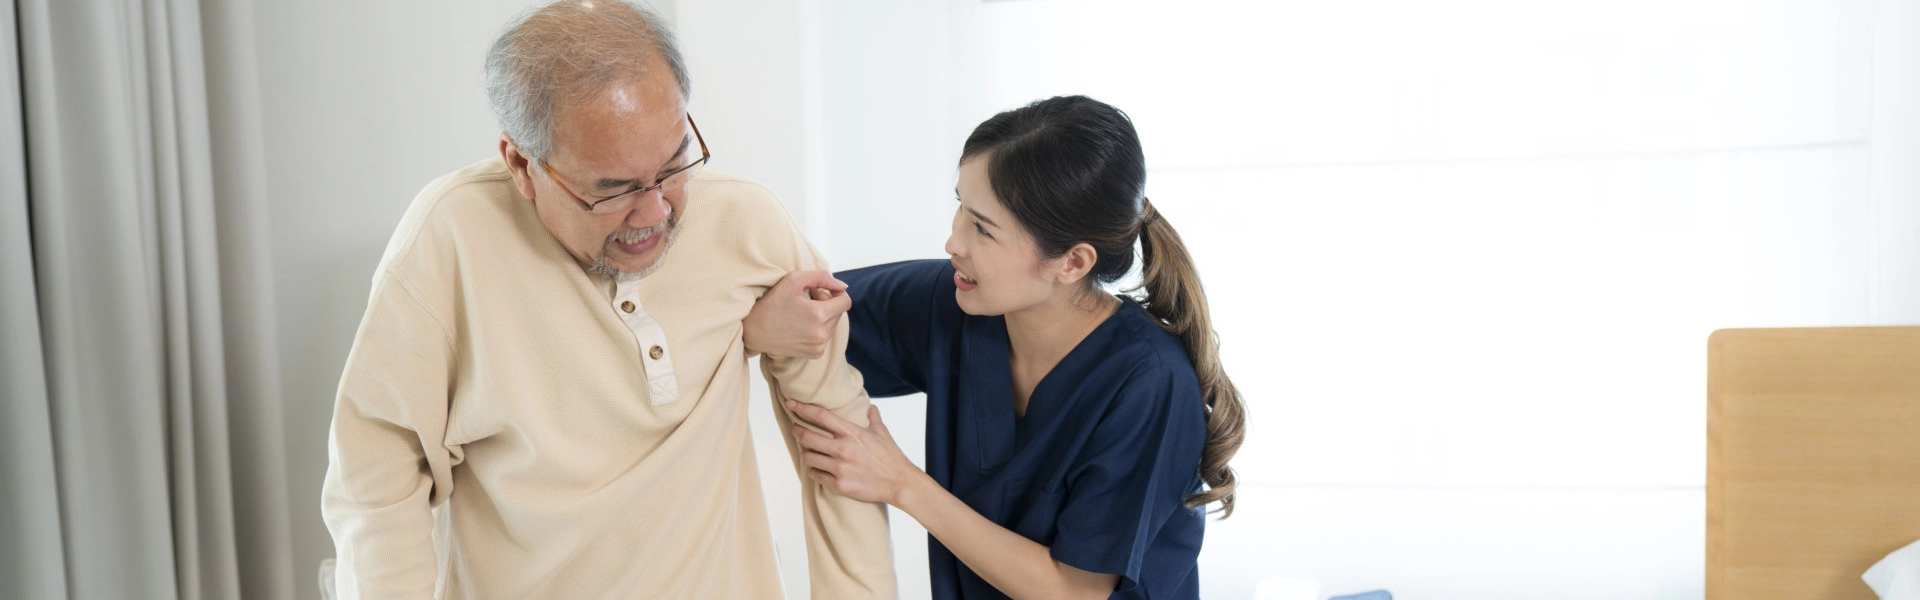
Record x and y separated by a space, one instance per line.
953 244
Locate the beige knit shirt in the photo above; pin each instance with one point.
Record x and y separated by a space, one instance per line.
496 434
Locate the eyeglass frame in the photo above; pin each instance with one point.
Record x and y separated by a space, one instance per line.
659 183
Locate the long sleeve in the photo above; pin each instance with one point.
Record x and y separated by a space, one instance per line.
387 463
849 548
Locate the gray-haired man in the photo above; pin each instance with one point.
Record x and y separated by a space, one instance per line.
547 395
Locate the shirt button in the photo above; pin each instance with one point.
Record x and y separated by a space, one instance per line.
656 353
626 306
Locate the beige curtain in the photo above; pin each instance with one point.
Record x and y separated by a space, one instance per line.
140 455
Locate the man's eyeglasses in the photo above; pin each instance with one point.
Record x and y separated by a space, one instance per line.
624 200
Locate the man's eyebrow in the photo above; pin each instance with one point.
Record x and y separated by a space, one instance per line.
615 183
685 142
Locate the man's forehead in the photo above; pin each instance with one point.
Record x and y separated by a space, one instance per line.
622 130
623 100
649 99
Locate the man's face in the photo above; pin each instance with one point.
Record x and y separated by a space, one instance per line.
621 138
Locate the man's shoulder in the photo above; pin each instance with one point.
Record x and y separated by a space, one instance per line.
726 192
739 208
715 181
460 203
488 177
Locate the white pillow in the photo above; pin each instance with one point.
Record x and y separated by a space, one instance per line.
1897 577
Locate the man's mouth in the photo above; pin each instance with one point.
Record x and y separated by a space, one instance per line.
638 241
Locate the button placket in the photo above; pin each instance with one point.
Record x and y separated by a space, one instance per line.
652 341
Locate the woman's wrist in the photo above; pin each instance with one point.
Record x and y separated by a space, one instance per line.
914 492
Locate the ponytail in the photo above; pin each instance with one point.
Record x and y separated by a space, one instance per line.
1175 299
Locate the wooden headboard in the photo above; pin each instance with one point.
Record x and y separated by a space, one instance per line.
1813 459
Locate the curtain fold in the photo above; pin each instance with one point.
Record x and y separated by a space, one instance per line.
144 442
30 543
257 432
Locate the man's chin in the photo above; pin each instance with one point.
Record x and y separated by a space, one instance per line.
626 267
615 262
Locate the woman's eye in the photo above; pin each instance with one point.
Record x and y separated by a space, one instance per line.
982 230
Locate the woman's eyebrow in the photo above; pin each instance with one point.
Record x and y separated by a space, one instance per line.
976 214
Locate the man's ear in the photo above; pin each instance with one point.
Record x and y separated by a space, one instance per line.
518 164
1077 263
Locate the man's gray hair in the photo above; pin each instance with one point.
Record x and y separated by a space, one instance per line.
564 51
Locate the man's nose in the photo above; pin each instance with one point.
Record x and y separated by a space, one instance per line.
648 210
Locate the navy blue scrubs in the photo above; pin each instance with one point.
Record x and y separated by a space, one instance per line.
1097 469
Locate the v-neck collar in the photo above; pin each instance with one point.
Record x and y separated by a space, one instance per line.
986 392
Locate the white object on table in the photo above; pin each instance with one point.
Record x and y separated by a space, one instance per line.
1896 577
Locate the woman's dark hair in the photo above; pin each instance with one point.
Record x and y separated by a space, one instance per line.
1071 171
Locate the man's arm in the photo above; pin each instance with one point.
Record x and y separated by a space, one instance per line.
387 464
849 548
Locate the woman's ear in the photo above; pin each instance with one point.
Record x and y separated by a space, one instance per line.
1076 264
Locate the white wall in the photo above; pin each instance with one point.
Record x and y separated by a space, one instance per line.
1895 142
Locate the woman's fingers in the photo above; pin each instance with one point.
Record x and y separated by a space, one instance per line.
874 422
823 417
823 478
835 305
814 441
818 461
808 280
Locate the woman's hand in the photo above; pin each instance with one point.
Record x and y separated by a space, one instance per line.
860 463
797 316
866 465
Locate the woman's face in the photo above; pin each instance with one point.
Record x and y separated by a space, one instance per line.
998 269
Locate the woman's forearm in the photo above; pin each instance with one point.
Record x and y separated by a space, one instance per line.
1015 565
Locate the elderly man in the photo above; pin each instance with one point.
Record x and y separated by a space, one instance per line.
547 395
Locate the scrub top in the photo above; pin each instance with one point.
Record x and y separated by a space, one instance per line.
1099 467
